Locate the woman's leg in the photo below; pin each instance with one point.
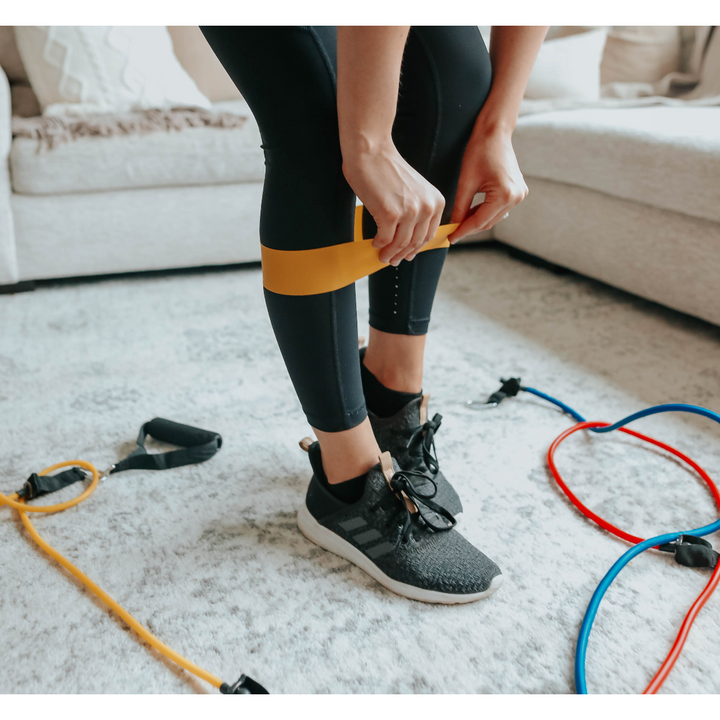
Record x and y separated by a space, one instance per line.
445 80
287 75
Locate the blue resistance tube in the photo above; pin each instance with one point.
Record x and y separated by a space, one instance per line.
591 612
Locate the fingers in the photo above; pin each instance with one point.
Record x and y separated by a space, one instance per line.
433 226
463 197
475 222
386 226
396 250
417 240
489 213
415 227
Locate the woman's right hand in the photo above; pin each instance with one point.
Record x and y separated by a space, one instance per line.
405 206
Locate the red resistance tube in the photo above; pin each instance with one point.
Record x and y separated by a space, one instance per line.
676 649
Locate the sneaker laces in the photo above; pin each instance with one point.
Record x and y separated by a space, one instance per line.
424 437
402 482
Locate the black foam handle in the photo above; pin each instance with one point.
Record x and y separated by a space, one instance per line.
196 446
179 434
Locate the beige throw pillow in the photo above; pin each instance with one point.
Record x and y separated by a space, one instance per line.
640 54
10 59
24 102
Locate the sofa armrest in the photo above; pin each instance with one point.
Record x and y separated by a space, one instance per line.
8 256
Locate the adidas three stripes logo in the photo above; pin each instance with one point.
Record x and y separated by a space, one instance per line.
367 536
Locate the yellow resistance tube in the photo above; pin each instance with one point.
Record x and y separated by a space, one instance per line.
19 504
321 270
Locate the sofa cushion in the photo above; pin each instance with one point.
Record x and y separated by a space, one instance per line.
667 157
191 156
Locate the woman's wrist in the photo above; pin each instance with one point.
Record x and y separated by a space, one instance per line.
496 118
494 126
359 147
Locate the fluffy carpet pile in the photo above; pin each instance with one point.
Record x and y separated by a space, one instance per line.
210 559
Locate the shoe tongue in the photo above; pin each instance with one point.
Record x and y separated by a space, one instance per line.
386 465
424 400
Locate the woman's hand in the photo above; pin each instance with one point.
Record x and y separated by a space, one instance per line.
489 166
405 206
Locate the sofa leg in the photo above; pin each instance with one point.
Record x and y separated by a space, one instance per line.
25 286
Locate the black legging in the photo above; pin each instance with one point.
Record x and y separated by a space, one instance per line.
288 76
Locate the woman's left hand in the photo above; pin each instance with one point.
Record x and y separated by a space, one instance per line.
489 166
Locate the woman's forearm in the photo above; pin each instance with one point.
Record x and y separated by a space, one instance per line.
368 67
513 51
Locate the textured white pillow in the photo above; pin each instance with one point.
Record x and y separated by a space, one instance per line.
76 70
568 67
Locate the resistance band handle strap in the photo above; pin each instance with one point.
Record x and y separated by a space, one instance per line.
38 485
196 445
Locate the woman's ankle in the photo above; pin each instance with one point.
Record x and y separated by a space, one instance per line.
396 360
349 453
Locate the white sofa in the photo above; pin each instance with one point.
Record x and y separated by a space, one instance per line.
628 196
128 203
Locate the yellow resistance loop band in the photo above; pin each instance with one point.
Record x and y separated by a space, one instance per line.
321 270
23 509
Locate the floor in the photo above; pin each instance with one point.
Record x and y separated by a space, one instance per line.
210 559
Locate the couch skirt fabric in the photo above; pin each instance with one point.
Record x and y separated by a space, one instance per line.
134 230
660 255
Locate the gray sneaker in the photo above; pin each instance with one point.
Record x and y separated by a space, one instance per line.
409 437
397 534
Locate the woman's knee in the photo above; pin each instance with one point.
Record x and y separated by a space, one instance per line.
461 68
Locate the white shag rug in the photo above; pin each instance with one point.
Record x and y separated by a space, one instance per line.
210 559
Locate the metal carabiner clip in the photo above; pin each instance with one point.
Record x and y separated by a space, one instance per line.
105 474
480 405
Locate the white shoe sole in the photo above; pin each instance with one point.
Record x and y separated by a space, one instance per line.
320 535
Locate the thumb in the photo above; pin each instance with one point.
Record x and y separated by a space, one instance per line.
463 198
481 216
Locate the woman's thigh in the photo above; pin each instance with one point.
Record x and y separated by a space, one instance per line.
288 77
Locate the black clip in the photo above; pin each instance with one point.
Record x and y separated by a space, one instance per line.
244 686
692 551
509 388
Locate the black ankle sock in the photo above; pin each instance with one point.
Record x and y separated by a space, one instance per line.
348 491
381 400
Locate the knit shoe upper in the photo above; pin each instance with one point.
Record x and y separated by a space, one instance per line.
412 550
409 437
